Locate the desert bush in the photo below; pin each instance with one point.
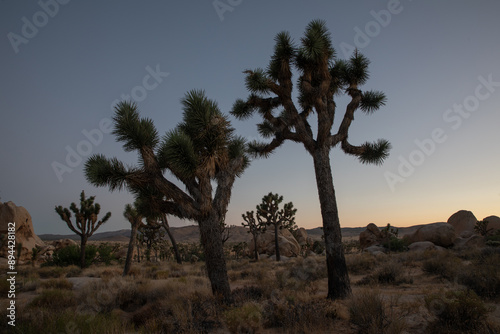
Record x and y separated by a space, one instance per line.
107 252
483 279
53 300
394 244
360 263
292 313
244 319
70 255
389 273
67 321
308 270
318 247
57 283
444 264
457 312
246 294
369 313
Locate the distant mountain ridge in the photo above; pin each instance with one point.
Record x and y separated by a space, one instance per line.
191 234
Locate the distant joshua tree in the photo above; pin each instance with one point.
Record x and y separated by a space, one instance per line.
201 152
321 79
269 213
86 222
254 228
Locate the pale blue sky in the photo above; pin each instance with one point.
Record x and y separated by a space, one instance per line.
428 57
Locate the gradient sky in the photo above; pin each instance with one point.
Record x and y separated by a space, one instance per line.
433 59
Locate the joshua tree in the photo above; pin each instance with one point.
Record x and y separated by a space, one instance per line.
86 222
135 219
268 213
322 77
200 152
154 214
254 228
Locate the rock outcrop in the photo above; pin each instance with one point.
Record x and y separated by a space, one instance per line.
289 247
493 223
25 234
440 234
370 237
463 221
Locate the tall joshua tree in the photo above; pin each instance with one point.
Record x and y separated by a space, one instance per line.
269 213
86 222
201 152
254 228
322 77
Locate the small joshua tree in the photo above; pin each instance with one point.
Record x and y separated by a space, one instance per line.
268 213
254 228
86 222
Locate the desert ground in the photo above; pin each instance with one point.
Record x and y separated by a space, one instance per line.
433 291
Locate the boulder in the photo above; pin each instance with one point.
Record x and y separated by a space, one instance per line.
493 223
463 221
440 234
375 250
371 236
25 234
302 238
62 243
265 244
421 246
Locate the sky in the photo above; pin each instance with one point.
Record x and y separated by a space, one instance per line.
65 64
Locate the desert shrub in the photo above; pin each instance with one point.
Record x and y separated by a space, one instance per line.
351 246
162 274
483 279
57 283
107 252
444 264
394 244
55 272
457 312
67 321
388 273
318 247
244 319
70 255
247 293
53 300
369 313
360 263
294 314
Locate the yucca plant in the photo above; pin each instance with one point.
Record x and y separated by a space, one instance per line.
322 77
202 151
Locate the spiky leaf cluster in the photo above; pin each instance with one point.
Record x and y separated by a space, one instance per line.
322 77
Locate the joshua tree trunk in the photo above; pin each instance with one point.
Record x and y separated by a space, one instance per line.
130 251
338 278
214 258
172 240
276 242
83 245
256 251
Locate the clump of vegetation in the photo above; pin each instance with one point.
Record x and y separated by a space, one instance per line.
71 256
107 252
244 319
57 283
361 263
443 263
458 312
54 300
388 273
370 314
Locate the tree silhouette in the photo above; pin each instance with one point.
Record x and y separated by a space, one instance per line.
322 77
86 222
269 213
202 151
254 228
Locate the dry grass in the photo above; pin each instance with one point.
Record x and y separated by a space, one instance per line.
269 297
